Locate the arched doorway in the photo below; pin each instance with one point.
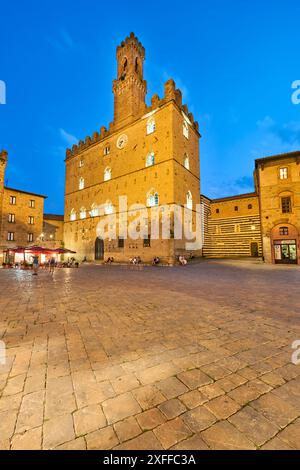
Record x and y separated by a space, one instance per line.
99 249
285 244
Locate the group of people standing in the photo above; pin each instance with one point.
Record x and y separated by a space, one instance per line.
51 264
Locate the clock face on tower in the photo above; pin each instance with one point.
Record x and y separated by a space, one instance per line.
122 141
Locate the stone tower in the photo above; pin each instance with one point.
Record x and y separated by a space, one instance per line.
130 88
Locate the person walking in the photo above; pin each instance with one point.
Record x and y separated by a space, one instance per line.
52 265
35 264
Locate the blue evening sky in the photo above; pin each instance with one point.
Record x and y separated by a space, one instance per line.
235 62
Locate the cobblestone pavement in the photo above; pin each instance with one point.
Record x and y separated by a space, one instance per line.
159 358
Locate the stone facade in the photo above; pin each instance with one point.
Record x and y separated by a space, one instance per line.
148 154
278 182
232 227
53 231
21 214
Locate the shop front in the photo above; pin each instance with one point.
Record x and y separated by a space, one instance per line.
285 244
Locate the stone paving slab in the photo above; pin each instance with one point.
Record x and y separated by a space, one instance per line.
194 358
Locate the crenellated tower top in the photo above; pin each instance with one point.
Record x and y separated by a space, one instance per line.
130 88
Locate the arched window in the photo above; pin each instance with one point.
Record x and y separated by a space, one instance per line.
109 208
185 129
150 160
94 211
152 198
186 162
151 127
72 215
107 174
189 200
83 213
81 183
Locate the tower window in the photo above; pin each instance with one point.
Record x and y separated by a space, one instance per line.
94 211
72 215
236 208
283 173
283 231
10 236
186 162
217 211
286 205
81 183
81 163
106 150
185 129
189 200
151 126
107 174
250 206
152 199
109 208
83 213
11 218
150 160
12 200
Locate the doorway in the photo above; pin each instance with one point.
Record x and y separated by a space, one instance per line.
99 249
285 251
254 250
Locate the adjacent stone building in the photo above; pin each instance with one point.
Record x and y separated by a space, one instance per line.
149 154
21 214
278 185
53 231
232 227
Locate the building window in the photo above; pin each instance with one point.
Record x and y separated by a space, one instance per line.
152 199
32 203
189 200
283 173
236 208
283 231
217 211
107 174
150 160
147 242
11 218
94 211
250 206
81 183
186 162
12 200
31 220
121 242
286 205
83 213
151 127
72 215
109 208
106 150
30 237
81 163
10 236
185 129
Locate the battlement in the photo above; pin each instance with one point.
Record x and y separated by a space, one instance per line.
171 94
131 42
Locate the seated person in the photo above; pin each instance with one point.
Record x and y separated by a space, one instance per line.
155 261
182 261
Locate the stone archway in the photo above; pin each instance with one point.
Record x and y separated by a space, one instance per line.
285 244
